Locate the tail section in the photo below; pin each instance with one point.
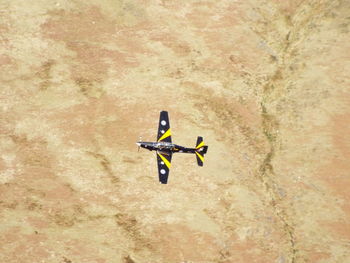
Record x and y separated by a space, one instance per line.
201 149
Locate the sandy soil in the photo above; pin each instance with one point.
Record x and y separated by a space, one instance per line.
266 83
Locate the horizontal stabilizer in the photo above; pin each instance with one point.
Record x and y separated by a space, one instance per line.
201 149
200 159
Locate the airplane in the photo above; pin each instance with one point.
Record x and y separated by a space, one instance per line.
165 148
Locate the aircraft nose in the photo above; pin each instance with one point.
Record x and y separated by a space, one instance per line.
138 144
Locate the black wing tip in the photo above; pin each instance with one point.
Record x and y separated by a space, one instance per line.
163 180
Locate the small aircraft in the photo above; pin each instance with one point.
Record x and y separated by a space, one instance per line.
165 148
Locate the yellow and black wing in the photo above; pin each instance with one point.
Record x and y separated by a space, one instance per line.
164 133
164 163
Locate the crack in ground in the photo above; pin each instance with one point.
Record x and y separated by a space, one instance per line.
266 175
296 31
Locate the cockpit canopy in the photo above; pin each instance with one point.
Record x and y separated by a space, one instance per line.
164 145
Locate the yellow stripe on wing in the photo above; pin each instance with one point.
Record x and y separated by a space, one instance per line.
200 157
167 163
165 135
200 145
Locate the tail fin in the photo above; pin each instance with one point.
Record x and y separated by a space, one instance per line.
201 149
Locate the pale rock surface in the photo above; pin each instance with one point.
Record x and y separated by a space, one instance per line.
266 83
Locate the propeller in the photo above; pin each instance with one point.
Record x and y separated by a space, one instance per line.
138 144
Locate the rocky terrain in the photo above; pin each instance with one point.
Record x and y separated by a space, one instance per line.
266 83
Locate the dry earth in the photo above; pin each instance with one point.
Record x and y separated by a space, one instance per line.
266 83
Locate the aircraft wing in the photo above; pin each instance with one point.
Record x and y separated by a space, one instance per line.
164 133
164 163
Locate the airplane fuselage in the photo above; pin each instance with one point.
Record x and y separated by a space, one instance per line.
165 147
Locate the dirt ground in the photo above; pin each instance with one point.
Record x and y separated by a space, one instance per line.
266 83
